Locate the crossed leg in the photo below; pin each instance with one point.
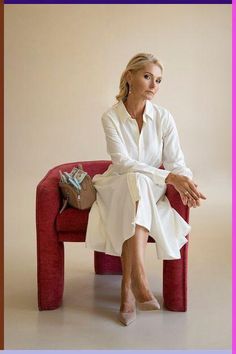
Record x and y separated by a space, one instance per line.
134 281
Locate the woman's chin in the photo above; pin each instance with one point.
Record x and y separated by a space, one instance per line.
149 96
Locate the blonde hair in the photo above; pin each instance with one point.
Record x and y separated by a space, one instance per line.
135 64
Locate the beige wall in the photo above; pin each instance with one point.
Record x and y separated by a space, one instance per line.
62 70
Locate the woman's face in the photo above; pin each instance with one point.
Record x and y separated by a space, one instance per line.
145 82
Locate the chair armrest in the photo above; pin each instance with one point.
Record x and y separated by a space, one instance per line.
48 195
50 252
176 202
48 200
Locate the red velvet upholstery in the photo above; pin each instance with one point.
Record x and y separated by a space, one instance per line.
53 229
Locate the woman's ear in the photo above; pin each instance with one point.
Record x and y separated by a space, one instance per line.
128 76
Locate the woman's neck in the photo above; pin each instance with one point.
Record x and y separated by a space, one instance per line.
135 107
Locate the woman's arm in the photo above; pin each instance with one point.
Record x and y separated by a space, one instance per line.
173 157
180 175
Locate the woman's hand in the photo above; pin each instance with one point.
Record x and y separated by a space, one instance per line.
187 189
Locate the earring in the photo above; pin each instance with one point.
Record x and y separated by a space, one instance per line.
130 89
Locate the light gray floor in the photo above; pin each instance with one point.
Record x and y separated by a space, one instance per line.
88 317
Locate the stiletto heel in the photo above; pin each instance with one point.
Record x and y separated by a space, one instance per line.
149 305
127 317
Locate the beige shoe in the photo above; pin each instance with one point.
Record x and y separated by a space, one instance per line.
149 305
127 317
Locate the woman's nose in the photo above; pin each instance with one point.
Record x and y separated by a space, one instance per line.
153 84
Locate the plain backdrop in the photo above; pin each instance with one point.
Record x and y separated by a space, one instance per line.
62 69
63 66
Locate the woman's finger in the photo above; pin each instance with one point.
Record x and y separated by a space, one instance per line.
191 194
193 190
183 198
189 204
194 203
198 202
193 186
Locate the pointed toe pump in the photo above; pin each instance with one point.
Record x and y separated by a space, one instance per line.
127 317
149 305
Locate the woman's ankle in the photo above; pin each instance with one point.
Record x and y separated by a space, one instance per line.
140 286
127 302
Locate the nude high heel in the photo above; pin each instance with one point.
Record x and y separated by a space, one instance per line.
149 305
127 317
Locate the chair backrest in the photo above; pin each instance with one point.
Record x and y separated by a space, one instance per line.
91 167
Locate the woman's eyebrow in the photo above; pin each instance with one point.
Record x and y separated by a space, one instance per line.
147 72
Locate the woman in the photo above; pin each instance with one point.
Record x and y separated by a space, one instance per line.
131 202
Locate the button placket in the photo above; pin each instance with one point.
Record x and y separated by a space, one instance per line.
140 145
137 131
139 138
140 142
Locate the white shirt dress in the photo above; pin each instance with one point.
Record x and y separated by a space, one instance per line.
134 175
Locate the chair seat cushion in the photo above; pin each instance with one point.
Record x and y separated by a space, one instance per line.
72 220
71 225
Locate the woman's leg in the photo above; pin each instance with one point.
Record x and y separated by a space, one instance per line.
132 260
139 280
127 297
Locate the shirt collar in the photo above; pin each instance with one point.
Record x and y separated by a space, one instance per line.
124 114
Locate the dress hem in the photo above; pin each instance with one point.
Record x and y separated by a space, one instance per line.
159 257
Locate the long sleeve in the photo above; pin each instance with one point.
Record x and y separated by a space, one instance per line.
121 160
173 158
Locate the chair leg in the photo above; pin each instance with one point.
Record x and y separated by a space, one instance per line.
50 276
106 264
175 282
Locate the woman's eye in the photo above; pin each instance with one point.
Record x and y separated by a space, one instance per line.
149 76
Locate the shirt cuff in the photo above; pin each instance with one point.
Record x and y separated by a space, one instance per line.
160 177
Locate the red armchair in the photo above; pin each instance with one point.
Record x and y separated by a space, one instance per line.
53 229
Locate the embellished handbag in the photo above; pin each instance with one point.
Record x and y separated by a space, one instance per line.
77 189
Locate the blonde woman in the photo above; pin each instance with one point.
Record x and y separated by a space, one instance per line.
131 202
